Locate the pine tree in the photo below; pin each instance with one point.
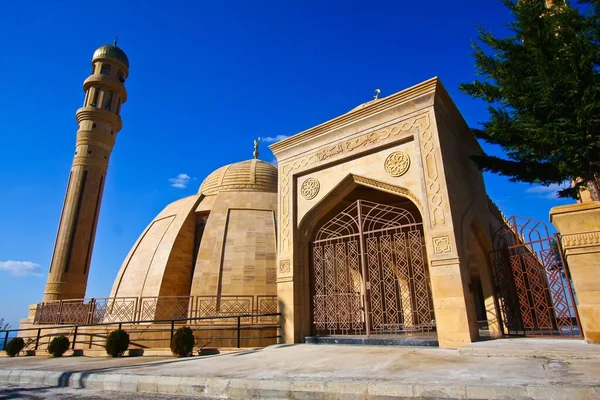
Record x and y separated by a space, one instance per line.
542 84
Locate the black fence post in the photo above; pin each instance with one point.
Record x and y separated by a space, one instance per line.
37 339
239 329
74 338
172 329
5 340
120 325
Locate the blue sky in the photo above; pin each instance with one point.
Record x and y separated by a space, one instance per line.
205 79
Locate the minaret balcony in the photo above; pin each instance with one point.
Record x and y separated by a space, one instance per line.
106 82
95 114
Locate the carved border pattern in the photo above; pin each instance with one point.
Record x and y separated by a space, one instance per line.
441 245
434 189
284 266
388 188
421 123
581 239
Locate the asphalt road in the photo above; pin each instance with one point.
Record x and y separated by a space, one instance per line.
31 392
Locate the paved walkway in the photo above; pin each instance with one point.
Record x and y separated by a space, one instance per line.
322 371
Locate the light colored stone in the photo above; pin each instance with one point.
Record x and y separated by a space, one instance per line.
168 384
148 384
99 122
112 381
579 226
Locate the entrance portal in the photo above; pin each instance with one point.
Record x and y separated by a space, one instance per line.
369 273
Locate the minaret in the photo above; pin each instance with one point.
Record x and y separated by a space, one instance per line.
99 122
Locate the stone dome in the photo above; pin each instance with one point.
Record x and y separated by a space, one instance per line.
111 51
250 175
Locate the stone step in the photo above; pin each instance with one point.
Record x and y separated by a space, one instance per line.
374 341
567 349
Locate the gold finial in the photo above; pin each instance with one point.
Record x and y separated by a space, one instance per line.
256 143
115 41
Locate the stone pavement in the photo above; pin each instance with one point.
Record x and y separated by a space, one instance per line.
324 371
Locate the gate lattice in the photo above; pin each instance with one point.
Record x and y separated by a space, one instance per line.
533 285
369 273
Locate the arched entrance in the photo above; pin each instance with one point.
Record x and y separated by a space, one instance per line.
369 272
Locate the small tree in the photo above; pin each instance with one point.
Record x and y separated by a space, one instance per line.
183 342
117 343
542 84
4 326
58 346
14 346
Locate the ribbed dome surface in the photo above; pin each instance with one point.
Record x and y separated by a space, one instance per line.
251 175
111 51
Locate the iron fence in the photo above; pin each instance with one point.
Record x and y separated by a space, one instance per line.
137 309
217 329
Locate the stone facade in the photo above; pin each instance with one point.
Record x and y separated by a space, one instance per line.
99 122
218 244
579 226
416 145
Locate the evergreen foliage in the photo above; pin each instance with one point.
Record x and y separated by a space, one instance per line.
58 346
14 346
542 87
183 342
117 343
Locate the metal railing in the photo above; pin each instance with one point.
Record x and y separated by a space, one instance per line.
137 309
227 323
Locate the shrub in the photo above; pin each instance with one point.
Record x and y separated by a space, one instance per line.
117 343
14 346
58 346
183 342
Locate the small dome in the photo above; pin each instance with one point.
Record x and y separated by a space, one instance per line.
111 51
251 175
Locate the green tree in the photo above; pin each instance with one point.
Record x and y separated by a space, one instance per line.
4 325
541 83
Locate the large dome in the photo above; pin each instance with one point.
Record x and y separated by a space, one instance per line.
252 175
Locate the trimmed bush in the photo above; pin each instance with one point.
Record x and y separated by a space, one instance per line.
14 346
117 343
183 342
58 346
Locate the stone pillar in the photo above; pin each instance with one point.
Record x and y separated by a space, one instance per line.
98 124
579 225
456 319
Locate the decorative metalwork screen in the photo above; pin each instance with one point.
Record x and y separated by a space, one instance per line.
533 282
164 307
370 273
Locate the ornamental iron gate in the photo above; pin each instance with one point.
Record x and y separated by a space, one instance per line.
370 274
533 285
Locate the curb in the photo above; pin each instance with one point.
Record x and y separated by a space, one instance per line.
220 388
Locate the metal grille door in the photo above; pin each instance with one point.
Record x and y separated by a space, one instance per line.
533 283
370 274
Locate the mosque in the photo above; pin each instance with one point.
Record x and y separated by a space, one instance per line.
373 224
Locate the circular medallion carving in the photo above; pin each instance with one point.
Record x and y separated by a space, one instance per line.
310 188
397 163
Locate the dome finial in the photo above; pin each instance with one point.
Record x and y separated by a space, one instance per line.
256 143
115 41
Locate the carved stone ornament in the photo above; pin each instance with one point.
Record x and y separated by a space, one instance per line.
284 266
310 188
397 163
441 245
